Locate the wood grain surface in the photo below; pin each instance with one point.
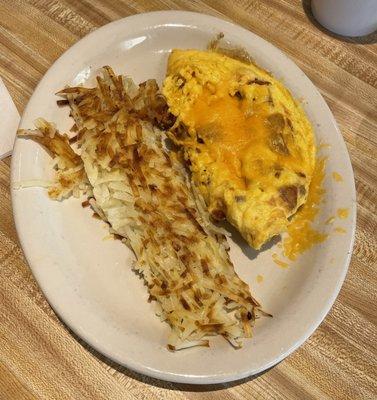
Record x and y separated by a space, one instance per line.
41 359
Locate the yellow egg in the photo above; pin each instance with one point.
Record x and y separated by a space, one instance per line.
249 144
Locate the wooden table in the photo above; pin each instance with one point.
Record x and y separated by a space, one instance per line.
39 356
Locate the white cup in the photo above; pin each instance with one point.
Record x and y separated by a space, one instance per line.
346 17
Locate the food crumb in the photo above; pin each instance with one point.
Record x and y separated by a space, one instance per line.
280 263
330 221
260 278
342 213
337 177
340 230
108 237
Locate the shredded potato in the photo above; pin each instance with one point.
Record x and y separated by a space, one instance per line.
70 178
143 192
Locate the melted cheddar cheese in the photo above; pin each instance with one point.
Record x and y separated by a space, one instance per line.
301 236
249 145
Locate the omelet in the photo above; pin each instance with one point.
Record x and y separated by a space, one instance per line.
248 144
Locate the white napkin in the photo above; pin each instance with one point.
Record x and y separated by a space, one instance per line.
9 120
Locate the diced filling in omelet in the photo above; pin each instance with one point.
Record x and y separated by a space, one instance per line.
249 145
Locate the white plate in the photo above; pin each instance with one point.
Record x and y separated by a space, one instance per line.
89 282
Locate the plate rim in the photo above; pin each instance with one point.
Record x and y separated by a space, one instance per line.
145 370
